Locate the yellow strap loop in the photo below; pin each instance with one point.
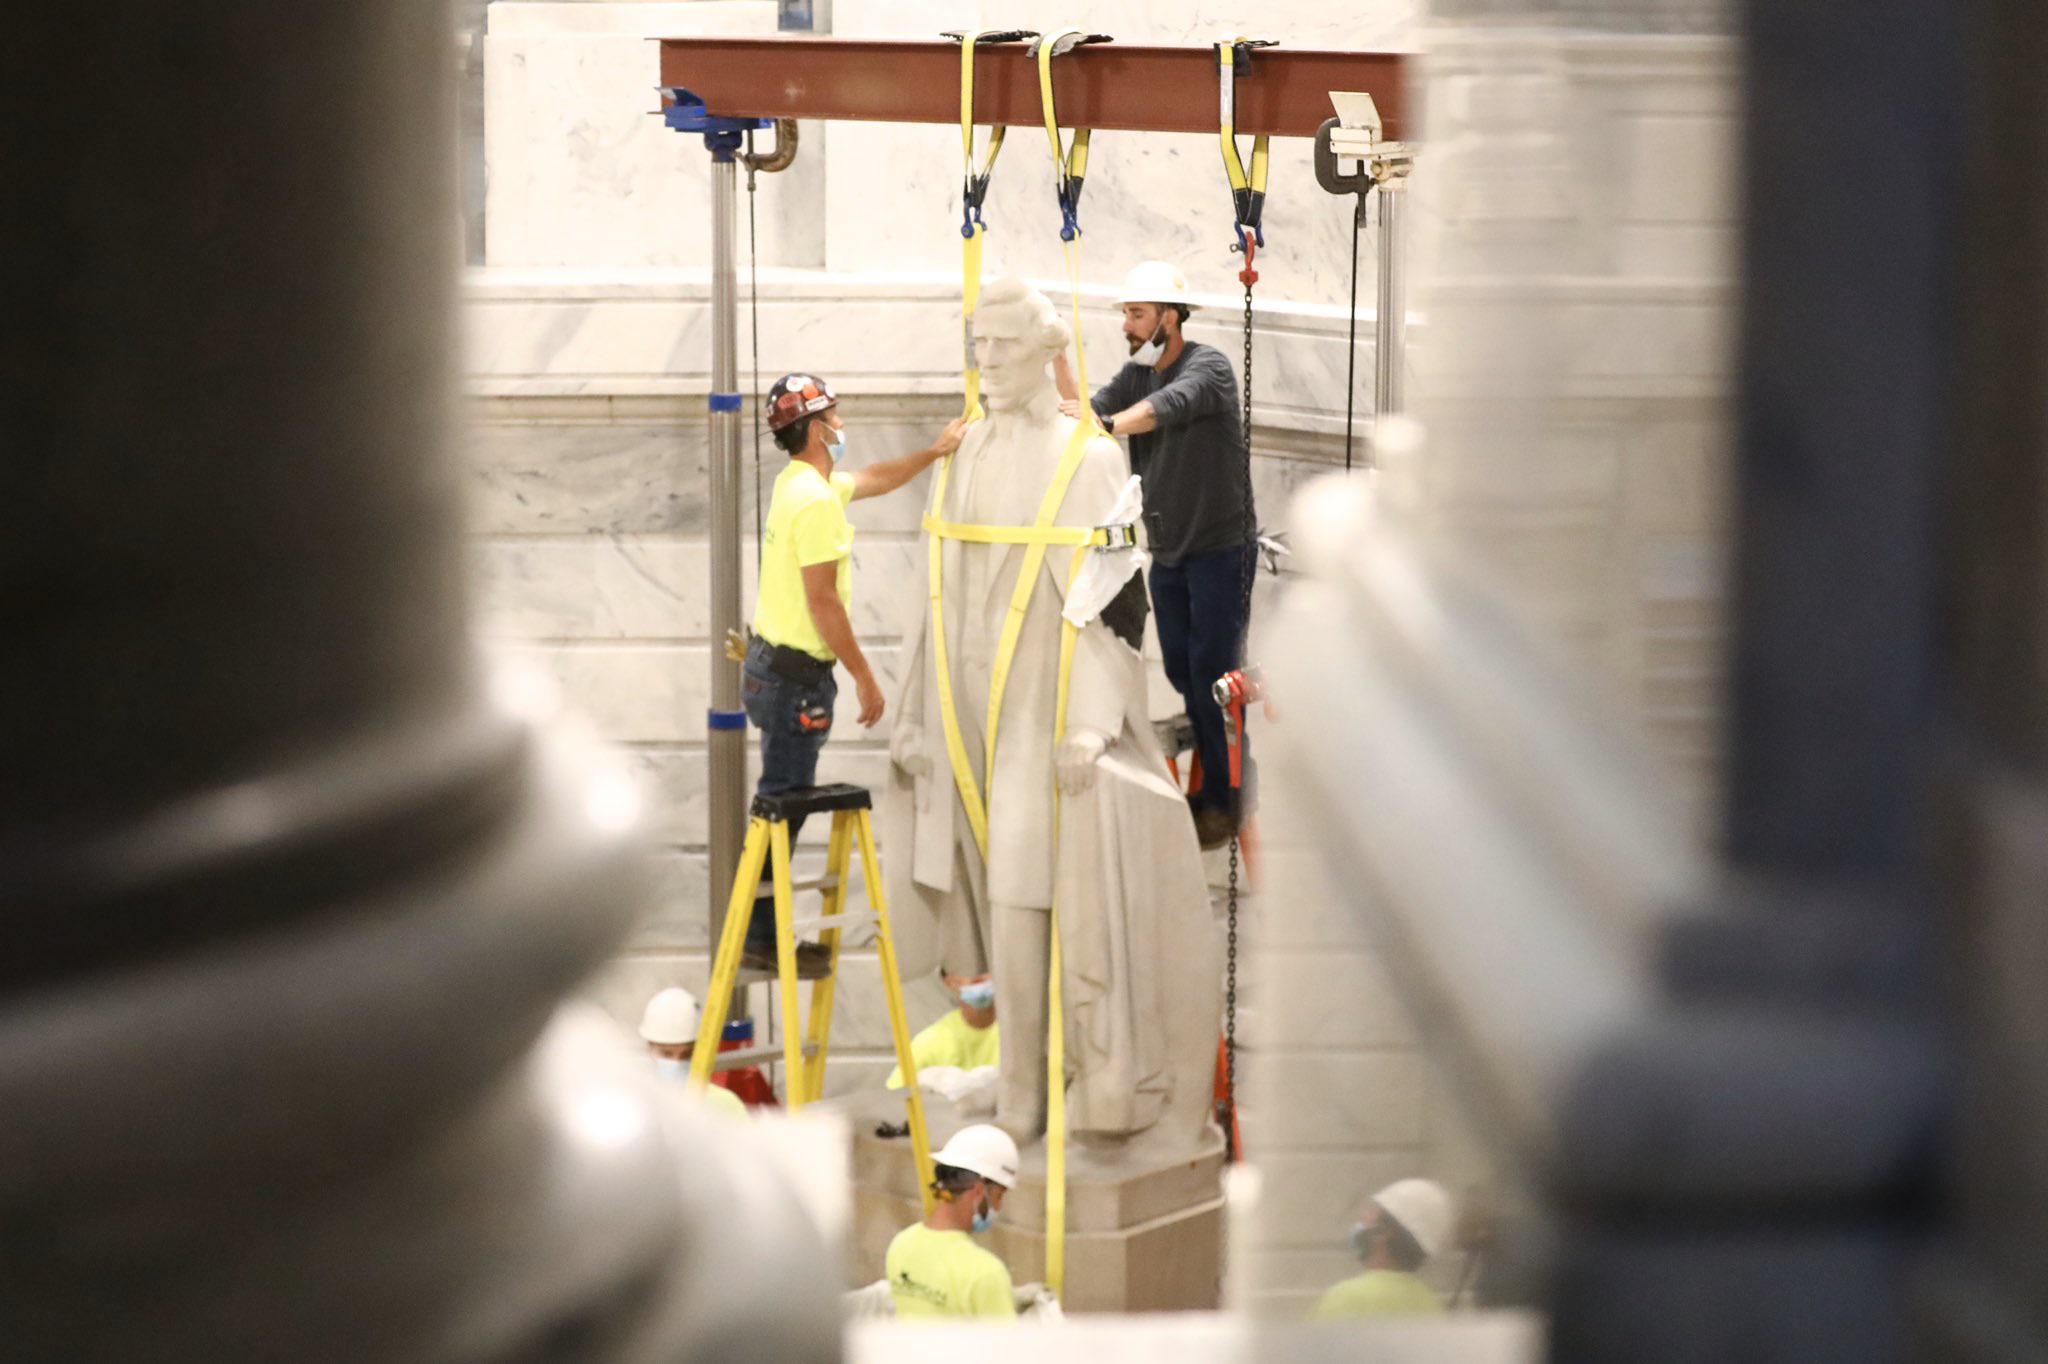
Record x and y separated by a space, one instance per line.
1247 191
972 229
942 664
1055 998
1015 535
970 299
1027 581
1070 164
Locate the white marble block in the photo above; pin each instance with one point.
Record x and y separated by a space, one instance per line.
581 169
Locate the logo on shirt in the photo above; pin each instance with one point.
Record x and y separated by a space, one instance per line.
906 1284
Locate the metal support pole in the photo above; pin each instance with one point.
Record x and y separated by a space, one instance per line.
726 733
1390 349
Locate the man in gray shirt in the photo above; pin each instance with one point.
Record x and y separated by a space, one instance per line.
1177 403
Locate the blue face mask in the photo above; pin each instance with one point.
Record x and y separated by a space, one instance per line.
1362 1239
980 995
835 445
671 1069
985 1217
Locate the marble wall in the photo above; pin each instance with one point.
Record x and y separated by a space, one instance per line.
1573 254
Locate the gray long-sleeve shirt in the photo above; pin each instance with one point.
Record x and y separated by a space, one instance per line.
1193 465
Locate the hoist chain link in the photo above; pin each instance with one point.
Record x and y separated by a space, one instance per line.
1250 572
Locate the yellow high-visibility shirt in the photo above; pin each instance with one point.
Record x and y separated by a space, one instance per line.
1378 1293
944 1274
952 1041
806 525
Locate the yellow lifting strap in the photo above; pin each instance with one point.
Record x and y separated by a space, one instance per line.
1021 535
1055 1002
1247 191
1036 538
1069 163
973 189
1071 167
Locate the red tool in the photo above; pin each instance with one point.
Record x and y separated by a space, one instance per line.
1233 692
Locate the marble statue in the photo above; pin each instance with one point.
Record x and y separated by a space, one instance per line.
1137 935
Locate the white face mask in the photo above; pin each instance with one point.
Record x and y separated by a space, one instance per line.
671 1069
1151 352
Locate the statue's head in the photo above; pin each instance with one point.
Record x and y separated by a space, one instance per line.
1017 332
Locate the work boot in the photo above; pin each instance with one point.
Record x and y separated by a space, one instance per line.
813 962
1213 827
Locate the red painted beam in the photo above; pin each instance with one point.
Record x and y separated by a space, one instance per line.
1108 86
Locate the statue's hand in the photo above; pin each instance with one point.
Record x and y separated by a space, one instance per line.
904 752
1075 761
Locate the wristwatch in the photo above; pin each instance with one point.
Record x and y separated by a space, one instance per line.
1109 425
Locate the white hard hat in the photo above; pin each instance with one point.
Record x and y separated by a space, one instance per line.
987 1151
670 1017
1154 281
1422 1209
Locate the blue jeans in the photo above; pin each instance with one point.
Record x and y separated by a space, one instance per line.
778 708
1199 610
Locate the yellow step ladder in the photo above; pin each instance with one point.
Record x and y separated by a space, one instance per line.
804 1047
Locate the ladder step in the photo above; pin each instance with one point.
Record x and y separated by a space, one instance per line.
853 919
754 1056
820 881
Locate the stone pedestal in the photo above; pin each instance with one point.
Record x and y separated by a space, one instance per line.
1144 1229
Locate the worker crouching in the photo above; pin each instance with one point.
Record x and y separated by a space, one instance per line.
934 1267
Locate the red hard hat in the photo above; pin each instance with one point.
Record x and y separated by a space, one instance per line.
796 396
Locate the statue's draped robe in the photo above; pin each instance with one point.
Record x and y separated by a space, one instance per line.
1133 899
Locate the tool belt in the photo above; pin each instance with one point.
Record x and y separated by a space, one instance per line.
794 665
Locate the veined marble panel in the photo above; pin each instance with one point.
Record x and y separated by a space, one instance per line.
1361 1101
653 478
598 478
1330 999
581 169
673 775
566 333
658 693
561 588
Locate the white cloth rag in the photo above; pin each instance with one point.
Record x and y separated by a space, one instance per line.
1106 570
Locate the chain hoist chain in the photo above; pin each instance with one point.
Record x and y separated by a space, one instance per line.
1251 561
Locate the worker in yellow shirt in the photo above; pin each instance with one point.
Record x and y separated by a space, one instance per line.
934 1267
1399 1229
966 1037
802 624
669 1027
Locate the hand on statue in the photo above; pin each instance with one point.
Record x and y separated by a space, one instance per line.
1071 407
950 438
870 694
903 752
1075 761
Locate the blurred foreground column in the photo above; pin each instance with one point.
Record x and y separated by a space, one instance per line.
290 889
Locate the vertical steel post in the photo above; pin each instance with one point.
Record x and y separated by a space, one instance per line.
1390 349
726 736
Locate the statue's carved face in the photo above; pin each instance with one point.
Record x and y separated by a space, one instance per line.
1017 332
1013 368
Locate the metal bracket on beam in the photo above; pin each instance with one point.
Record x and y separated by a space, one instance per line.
685 113
1354 136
